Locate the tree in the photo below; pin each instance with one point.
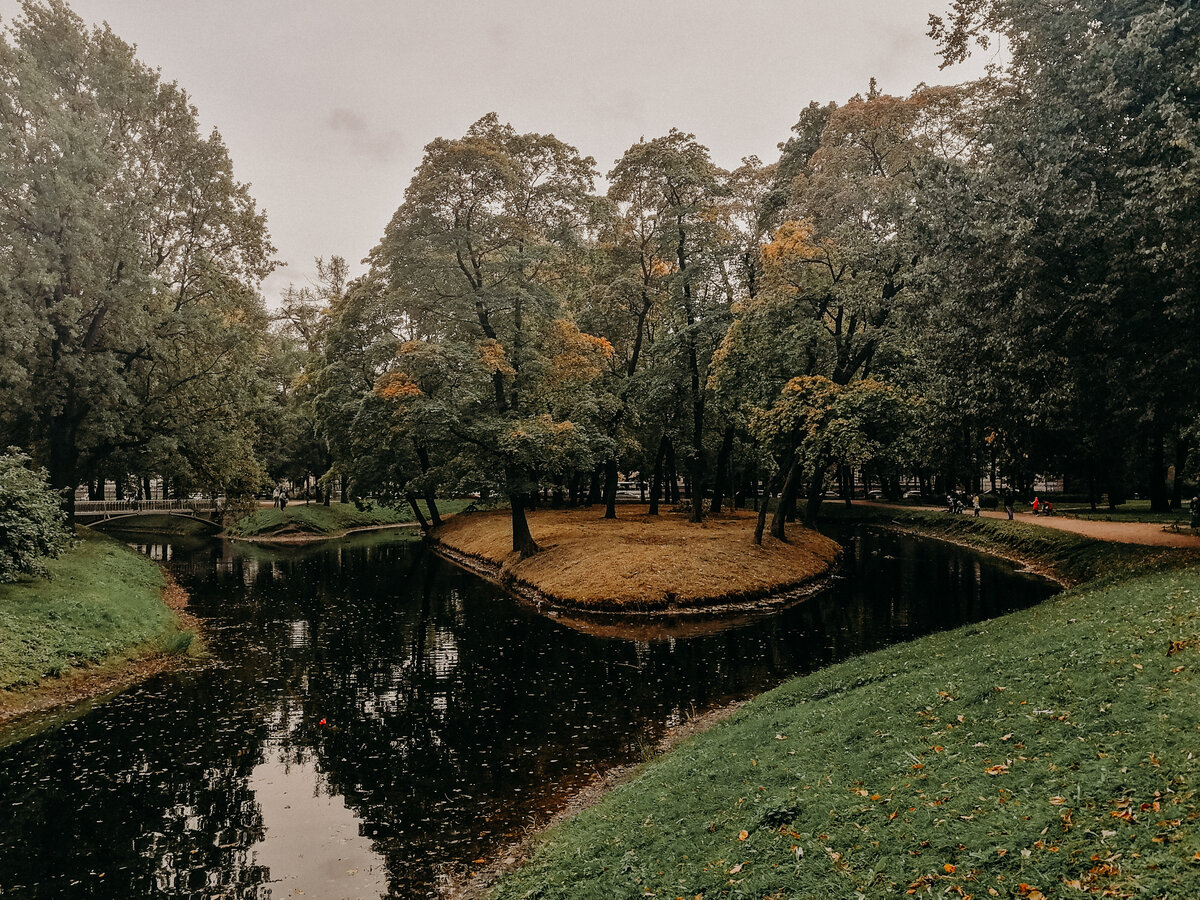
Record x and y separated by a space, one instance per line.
31 522
132 255
477 262
672 188
1086 262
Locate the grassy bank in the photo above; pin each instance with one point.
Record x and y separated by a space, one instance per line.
638 562
1072 558
336 518
1051 752
102 601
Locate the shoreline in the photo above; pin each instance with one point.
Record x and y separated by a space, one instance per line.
24 712
748 602
311 537
476 885
464 884
460 884
639 568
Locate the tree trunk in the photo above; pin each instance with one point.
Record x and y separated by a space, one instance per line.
610 488
1181 454
594 492
64 457
768 487
656 479
816 488
523 542
345 488
672 494
722 472
787 499
1158 473
412 501
433 510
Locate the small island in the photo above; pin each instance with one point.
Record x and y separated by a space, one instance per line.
639 563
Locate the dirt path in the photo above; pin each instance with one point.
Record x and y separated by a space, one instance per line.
1147 533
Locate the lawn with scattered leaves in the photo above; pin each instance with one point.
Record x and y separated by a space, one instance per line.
1053 752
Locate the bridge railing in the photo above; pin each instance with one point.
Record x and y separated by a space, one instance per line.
127 507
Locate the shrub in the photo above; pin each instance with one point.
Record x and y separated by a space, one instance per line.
32 525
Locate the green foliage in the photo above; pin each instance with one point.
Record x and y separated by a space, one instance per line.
32 528
130 320
98 600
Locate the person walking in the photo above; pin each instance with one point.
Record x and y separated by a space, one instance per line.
1194 508
975 505
1008 504
1036 504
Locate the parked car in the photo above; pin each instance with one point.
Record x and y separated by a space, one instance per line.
875 494
912 495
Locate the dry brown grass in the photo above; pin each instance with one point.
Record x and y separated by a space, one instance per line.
641 562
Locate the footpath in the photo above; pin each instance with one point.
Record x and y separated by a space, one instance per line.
1151 534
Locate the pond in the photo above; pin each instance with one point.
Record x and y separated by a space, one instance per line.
373 716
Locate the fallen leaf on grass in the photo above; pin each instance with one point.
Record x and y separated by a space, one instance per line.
742 835
999 769
736 869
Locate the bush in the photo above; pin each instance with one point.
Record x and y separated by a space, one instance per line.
32 525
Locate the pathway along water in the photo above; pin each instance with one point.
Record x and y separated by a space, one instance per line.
376 715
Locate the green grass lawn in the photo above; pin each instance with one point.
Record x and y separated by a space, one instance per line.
1129 511
1054 751
316 518
100 600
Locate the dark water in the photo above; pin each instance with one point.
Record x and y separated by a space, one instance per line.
374 715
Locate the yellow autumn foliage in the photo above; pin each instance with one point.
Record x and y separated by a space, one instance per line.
792 241
575 354
491 353
396 386
660 268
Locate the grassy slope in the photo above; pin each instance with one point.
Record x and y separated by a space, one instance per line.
1074 558
101 600
1053 750
316 518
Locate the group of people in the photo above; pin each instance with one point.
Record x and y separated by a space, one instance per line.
279 497
956 503
1042 507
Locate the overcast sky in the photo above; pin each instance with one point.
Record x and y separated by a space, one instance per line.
325 106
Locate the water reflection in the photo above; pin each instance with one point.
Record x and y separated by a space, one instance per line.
378 711
311 842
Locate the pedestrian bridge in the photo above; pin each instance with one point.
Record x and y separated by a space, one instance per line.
89 512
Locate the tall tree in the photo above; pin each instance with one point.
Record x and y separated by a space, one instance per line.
132 257
478 260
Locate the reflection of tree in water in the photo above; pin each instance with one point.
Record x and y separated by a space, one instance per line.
453 716
171 814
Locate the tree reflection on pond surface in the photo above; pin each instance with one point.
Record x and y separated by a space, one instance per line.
376 715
